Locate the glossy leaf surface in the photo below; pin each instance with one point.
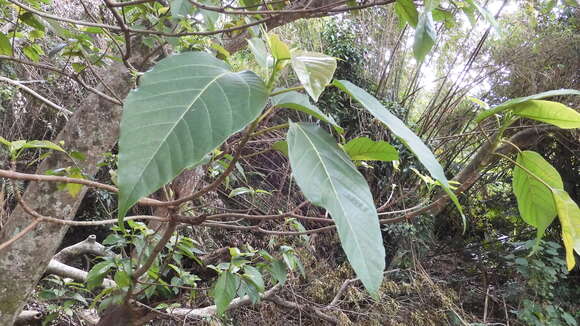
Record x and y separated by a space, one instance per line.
550 112
314 70
366 149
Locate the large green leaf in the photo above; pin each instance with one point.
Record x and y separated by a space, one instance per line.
407 11
300 102
569 215
509 104
314 70
329 179
366 149
184 108
279 49
224 291
550 112
425 36
412 141
534 199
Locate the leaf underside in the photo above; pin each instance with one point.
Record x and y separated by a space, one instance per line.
185 107
329 179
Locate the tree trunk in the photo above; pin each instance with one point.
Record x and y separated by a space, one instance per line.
92 130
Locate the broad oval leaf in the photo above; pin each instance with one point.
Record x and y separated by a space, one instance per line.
314 70
509 104
329 179
260 52
224 291
569 215
550 112
425 36
300 102
366 149
184 108
534 199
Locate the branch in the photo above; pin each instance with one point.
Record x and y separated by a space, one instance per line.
58 268
27 317
36 95
87 246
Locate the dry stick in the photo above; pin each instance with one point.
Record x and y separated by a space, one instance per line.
63 73
133 30
347 283
36 95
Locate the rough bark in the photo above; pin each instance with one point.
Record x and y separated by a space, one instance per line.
92 130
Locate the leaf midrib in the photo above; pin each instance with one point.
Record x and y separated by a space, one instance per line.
201 91
333 187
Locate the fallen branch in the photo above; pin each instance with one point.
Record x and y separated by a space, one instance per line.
27 317
60 269
87 246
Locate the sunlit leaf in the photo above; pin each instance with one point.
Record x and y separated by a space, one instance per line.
5 46
550 112
329 179
185 107
314 70
180 8
509 104
534 199
366 149
569 215
407 11
279 49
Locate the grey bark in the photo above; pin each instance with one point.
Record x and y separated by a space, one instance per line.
92 130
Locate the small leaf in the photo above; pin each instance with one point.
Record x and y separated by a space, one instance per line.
486 15
329 179
478 102
97 274
550 112
569 215
407 11
279 271
29 19
74 188
411 141
239 191
534 199
509 104
31 53
224 291
314 70
260 52
254 275
366 149
279 49
43 144
281 146
300 102
5 46
425 36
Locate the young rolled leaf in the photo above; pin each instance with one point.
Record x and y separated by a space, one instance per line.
569 215
366 149
279 49
329 179
185 107
550 112
314 70
534 199
300 102
509 104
